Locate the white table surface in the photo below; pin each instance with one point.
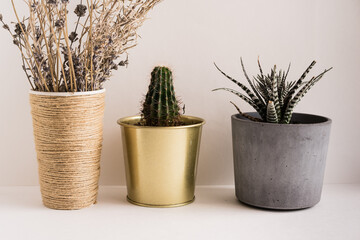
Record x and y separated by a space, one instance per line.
215 214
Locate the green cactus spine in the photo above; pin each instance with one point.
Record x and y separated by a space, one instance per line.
161 108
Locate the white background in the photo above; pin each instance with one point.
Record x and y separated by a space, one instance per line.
189 36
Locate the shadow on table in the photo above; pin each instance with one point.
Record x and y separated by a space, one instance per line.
224 198
112 195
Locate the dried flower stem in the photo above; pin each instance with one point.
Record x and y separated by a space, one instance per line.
72 70
57 46
29 46
91 46
83 32
61 63
25 62
23 58
47 49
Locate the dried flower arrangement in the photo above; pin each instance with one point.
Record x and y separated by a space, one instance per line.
56 59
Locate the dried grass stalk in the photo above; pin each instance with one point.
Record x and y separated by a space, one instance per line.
58 60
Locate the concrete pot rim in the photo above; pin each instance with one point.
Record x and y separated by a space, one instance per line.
321 120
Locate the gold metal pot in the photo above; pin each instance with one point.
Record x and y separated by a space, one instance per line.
161 162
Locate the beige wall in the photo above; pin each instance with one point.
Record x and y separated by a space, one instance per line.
189 36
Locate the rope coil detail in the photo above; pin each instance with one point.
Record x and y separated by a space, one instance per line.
68 139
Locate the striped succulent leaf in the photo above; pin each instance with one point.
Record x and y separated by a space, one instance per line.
283 80
262 91
245 98
271 115
287 71
257 100
246 115
282 96
278 79
300 94
298 83
260 68
251 84
274 92
281 88
268 83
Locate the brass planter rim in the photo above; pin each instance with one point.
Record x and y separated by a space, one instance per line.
125 122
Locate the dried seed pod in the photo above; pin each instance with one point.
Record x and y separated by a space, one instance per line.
80 10
52 2
73 36
6 27
19 29
59 24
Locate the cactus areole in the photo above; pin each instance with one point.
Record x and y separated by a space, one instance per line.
161 108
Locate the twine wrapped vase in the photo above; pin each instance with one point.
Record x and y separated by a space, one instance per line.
68 129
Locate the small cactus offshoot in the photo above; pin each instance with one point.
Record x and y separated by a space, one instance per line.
272 96
161 108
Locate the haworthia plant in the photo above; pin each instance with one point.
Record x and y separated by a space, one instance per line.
161 108
271 95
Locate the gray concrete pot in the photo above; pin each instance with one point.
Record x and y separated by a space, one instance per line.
280 166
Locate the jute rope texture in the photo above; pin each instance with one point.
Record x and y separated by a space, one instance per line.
68 138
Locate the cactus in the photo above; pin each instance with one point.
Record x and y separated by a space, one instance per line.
271 96
161 108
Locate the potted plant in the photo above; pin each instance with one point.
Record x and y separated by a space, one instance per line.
161 147
66 71
279 156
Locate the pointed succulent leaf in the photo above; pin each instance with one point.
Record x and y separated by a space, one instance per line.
298 83
251 84
300 95
275 96
278 79
246 115
283 95
245 98
256 99
287 71
260 68
268 83
271 116
262 91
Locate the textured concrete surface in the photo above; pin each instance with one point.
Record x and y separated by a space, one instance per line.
280 166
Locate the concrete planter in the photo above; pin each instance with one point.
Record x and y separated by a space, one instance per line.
280 166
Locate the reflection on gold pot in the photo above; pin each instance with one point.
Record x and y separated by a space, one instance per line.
161 162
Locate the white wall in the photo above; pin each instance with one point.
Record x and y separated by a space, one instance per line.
189 36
